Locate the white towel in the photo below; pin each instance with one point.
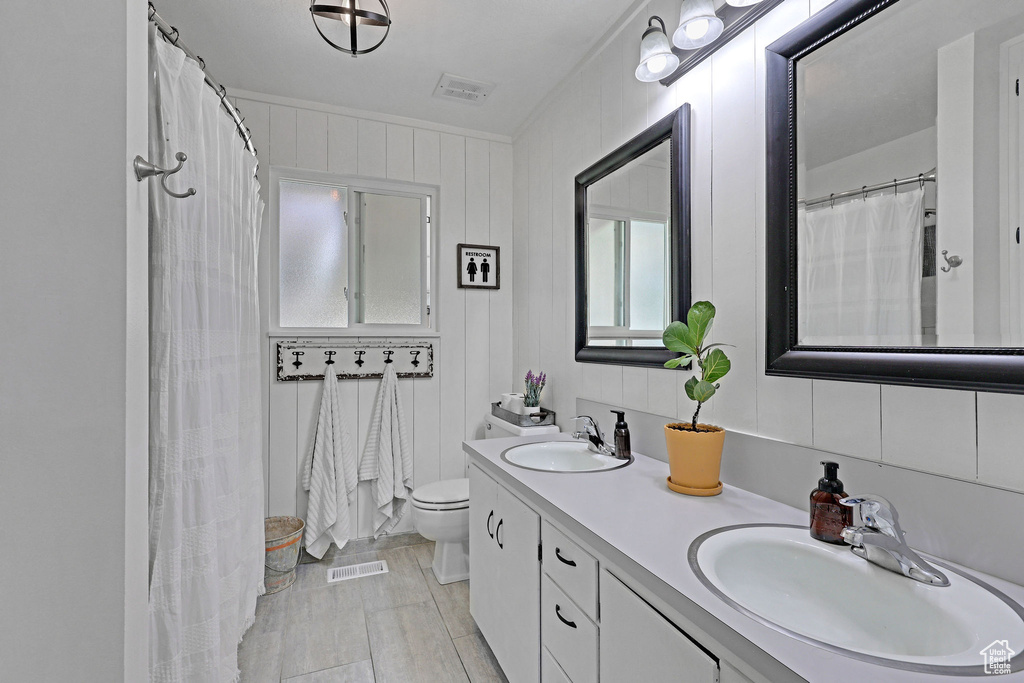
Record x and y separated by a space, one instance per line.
387 460
329 474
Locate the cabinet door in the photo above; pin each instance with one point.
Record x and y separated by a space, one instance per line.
517 540
638 644
484 594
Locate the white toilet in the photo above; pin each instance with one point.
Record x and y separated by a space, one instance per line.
441 510
441 514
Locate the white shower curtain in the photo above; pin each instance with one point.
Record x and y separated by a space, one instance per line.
860 266
206 490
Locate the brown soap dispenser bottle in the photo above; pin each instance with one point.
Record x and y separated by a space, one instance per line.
828 517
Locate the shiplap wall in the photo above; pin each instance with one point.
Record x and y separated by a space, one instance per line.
472 356
963 434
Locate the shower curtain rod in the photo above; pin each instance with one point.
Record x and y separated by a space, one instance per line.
171 35
929 177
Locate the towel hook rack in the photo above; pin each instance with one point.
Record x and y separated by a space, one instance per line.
145 169
298 362
415 358
359 358
330 359
387 357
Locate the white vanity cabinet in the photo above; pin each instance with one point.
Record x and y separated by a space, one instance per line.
504 567
553 612
639 644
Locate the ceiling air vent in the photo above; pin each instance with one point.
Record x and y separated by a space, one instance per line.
463 89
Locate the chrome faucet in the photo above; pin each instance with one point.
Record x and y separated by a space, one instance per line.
591 432
877 537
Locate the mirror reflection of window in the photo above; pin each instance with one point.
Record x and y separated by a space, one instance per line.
604 270
648 276
629 253
628 271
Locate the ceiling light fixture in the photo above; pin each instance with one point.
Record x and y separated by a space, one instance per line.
698 25
354 17
656 57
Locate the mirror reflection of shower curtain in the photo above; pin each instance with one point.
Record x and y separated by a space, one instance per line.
859 278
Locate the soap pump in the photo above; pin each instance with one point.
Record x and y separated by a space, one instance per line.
622 449
828 516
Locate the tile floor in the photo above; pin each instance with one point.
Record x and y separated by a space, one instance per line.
399 627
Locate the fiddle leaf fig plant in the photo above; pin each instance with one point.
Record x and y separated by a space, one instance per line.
687 339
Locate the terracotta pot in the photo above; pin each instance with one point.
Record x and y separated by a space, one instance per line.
695 458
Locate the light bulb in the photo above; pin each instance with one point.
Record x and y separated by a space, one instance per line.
656 63
696 29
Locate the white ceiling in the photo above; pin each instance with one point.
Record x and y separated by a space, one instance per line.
526 47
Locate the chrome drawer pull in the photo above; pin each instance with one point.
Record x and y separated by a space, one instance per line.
565 621
559 556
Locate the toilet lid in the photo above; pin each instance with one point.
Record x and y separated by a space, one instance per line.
441 492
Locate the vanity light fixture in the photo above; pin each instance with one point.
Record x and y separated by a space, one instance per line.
698 25
656 57
353 16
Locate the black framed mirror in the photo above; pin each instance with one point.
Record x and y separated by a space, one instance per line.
633 246
893 195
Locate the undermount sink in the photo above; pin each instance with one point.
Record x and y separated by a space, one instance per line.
827 596
561 456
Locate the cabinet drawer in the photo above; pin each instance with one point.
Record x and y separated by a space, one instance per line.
550 672
572 568
567 633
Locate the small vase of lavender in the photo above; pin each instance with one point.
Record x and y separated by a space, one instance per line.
534 385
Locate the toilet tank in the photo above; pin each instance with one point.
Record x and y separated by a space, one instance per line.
498 428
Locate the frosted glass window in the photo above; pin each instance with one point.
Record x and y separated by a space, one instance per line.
391 290
647 276
604 272
313 264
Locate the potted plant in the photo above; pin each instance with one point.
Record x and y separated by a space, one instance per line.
531 399
695 449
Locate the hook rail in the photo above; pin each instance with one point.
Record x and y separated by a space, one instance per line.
353 360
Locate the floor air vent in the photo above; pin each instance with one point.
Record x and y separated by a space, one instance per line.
356 571
463 89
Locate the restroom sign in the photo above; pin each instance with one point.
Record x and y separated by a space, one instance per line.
479 266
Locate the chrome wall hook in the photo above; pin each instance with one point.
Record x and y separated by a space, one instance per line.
953 261
145 169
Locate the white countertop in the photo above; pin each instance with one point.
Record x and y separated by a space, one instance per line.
632 510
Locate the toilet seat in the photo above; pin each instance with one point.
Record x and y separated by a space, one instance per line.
448 494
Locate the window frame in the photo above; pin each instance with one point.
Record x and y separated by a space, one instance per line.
355 184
